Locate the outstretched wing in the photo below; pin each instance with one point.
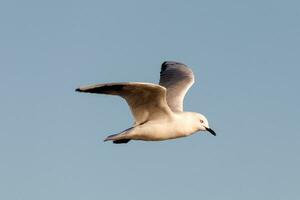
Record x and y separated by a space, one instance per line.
177 78
146 101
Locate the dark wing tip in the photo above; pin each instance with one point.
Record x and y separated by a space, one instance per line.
103 89
122 141
167 64
176 65
164 66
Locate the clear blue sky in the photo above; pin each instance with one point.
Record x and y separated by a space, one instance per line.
244 54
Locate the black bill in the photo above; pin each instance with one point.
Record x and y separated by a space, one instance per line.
211 131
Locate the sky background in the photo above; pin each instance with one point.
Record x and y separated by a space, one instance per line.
245 57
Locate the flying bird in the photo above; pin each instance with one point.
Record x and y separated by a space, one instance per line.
157 108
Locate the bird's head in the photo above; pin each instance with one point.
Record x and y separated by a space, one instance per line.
203 124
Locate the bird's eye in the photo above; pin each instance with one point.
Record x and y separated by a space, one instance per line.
201 121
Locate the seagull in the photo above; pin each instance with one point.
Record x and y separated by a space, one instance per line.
157 108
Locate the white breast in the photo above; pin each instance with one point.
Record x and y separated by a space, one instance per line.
179 125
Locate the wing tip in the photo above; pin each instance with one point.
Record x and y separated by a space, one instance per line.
101 88
167 64
164 66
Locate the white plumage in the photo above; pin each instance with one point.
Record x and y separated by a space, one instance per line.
157 109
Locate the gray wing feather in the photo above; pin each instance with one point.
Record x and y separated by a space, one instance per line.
146 101
177 78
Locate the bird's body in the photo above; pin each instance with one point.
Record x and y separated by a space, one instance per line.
157 109
176 125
